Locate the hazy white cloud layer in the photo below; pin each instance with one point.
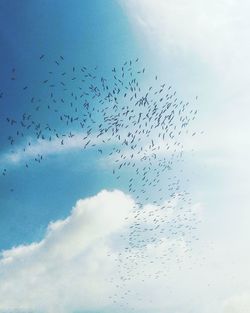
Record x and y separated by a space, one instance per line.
209 40
238 303
204 45
214 31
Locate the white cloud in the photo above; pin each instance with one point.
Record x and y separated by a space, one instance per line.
72 266
203 45
75 267
214 31
210 32
45 148
69 268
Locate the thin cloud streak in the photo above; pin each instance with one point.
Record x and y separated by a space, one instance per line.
54 146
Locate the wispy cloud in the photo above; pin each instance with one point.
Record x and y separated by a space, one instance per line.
31 148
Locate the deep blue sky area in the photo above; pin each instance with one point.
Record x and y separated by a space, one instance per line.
89 33
79 29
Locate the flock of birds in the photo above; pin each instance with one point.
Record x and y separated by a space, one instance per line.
141 131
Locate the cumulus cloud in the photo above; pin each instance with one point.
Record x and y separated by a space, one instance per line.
69 268
79 261
78 266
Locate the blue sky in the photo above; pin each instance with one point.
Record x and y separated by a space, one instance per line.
86 33
201 50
